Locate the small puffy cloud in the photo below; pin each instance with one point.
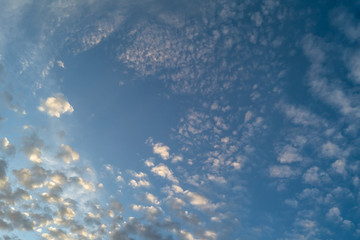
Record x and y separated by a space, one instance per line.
152 199
140 183
281 171
315 176
185 235
149 163
289 154
176 159
339 166
217 179
210 235
300 115
31 178
197 199
67 154
60 64
109 168
6 146
164 172
330 149
334 214
177 189
291 202
150 212
56 106
86 185
55 233
138 174
175 203
248 116
162 150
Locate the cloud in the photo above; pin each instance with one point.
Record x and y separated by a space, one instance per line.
67 154
151 212
60 64
346 22
13 106
289 154
281 172
140 183
162 150
32 146
300 115
31 178
152 199
339 166
333 94
330 149
56 106
334 214
315 176
164 172
7 147
198 200
217 179
354 67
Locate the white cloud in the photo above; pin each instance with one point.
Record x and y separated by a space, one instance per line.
196 199
176 159
138 174
248 116
164 172
149 163
140 183
56 106
218 179
334 214
162 150
300 115
210 235
60 64
152 199
292 202
315 176
281 171
151 212
289 154
185 235
6 146
339 166
330 149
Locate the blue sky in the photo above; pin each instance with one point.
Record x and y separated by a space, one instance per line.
179 120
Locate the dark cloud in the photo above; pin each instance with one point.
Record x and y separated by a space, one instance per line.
9 99
32 146
32 178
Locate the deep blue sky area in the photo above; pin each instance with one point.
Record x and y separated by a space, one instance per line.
189 120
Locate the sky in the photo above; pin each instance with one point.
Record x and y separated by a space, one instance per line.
184 119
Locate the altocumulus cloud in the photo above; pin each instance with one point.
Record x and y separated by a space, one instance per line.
56 106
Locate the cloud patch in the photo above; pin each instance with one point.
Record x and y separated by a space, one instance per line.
67 154
55 106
